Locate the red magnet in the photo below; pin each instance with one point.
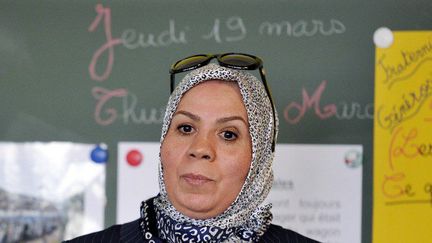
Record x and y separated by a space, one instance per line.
134 157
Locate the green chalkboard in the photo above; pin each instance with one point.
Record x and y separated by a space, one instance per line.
92 71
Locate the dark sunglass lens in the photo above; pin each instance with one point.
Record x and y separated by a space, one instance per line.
189 62
238 60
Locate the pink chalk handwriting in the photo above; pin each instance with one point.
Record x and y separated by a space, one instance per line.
104 13
102 96
309 102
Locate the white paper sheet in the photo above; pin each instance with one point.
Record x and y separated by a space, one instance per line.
136 181
317 191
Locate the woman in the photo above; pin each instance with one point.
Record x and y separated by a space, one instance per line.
217 147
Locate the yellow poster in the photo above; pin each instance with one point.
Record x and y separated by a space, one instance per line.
402 208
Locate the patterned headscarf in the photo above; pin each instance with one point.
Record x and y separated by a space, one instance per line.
245 219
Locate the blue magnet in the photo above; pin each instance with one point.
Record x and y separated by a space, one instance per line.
99 154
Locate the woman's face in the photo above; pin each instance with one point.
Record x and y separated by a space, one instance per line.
207 151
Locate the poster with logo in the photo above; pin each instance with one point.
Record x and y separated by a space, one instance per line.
402 209
49 192
316 191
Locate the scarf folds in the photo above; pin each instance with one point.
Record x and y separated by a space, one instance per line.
177 232
169 230
246 219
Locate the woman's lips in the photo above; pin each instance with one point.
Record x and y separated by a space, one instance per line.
196 179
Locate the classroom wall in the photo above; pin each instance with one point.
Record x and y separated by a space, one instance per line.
97 71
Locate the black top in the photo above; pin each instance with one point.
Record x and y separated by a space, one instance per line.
132 233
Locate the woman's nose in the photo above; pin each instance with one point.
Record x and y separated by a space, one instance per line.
202 147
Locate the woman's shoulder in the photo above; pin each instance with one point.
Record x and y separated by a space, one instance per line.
116 233
276 233
111 234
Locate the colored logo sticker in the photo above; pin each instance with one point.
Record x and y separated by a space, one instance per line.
353 158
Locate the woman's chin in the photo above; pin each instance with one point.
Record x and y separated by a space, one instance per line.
198 206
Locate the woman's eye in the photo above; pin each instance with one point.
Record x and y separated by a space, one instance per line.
186 129
228 135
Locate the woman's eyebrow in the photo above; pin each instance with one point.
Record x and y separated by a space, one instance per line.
220 120
188 114
232 118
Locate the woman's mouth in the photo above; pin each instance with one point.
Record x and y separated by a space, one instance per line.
196 179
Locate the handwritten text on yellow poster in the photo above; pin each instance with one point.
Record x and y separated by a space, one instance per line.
403 140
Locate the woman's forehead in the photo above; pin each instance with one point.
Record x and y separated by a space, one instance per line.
214 89
214 96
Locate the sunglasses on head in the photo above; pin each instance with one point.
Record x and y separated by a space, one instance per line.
238 61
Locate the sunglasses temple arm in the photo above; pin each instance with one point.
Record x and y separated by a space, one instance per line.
172 83
264 80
